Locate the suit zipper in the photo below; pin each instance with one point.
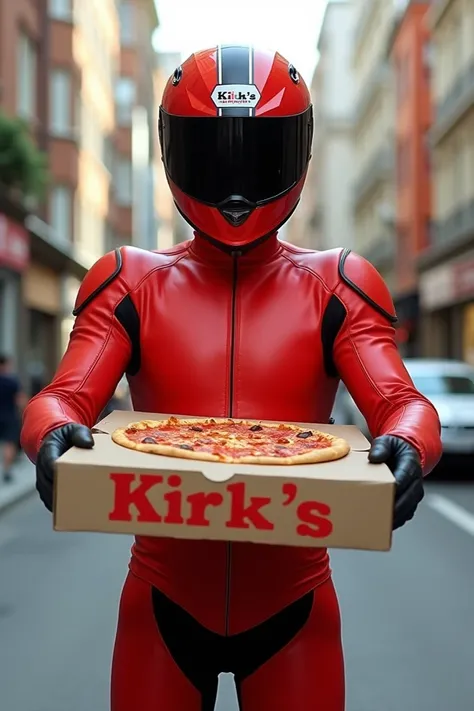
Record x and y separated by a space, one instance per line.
228 573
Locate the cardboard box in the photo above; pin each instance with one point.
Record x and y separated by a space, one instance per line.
343 504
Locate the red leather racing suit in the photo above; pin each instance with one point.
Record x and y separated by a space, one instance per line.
262 335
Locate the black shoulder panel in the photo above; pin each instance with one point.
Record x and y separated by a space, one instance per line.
343 273
333 318
97 279
127 315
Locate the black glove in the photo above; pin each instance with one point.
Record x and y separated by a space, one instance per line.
403 461
54 445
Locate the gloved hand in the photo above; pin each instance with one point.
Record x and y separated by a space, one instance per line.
54 445
403 461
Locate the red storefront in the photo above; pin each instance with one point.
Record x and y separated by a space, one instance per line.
14 259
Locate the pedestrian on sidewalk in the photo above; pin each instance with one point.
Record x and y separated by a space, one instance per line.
12 401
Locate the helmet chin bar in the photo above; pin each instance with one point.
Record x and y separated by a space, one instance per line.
237 250
233 249
236 209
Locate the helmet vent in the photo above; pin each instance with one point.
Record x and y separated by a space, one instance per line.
294 76
178 73
236 210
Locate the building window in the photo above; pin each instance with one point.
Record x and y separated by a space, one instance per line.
123 181
60 209
125 97
127 24
60 107
26 78
60 9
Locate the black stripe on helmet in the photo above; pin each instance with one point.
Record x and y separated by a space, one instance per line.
234 66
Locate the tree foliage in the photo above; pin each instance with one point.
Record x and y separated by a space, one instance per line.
23 168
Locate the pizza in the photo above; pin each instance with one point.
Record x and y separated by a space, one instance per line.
231 441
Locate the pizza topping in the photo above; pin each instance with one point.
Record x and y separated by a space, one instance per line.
228 440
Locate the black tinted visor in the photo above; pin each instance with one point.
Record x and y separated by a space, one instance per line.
211 159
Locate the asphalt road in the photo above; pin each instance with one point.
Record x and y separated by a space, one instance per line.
408 615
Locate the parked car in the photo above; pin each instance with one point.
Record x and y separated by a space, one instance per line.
449 385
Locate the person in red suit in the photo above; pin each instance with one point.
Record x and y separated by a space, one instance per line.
234 323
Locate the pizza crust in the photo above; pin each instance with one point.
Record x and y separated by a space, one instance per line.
338 448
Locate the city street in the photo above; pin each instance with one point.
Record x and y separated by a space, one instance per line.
319 221
408 615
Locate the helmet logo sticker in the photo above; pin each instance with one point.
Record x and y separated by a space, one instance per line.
243 95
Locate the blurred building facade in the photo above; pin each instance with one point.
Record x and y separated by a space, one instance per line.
324 218
60 69
411 57
374 126
172 228
447 268
133 218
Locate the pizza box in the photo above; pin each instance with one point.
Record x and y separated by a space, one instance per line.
346 503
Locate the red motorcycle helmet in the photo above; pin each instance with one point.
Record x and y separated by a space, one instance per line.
235 128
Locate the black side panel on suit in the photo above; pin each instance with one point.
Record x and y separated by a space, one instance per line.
127 315
101 287
345 253
333 318
202 655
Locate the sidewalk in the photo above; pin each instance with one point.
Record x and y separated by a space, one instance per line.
23 483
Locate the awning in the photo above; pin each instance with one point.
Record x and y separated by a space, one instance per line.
51 252
44 246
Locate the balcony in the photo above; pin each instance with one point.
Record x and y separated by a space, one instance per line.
456 227
381 252
380 168
377 78
48 249
450 236
457 102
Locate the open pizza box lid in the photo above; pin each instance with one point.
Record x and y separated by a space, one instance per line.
346 503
